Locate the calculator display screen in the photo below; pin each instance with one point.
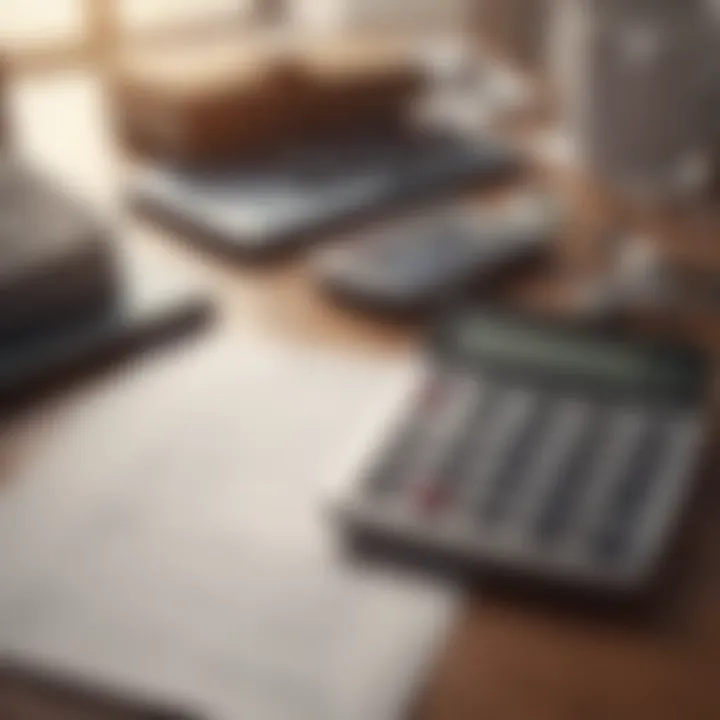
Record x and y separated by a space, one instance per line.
570 356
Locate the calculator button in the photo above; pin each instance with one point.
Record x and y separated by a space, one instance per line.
563 429
514 471
680 451
514 413
560 449
471 436
437 391
431 497
628 500
433 400
385 477
616 439
626 433
432 447
563 500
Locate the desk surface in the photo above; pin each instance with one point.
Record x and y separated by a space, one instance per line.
504 660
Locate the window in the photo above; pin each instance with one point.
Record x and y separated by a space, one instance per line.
379 14
34 24
138 16
52 32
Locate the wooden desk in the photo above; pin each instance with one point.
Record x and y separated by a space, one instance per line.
505 660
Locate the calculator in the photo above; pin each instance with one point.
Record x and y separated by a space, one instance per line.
538 450
421 261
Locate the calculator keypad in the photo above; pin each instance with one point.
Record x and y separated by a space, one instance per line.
540 474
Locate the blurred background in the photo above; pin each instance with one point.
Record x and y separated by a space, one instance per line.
191 394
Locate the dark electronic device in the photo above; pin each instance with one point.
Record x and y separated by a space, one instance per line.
68 296
540 451
56 260
27 693
269 206
416 263
149 307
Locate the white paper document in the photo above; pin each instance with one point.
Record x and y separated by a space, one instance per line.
167 538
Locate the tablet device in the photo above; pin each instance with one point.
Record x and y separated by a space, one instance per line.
426 259
277 204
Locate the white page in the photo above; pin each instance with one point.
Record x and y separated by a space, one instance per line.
188 557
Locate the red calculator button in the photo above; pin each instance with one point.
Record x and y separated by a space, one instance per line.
431 498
